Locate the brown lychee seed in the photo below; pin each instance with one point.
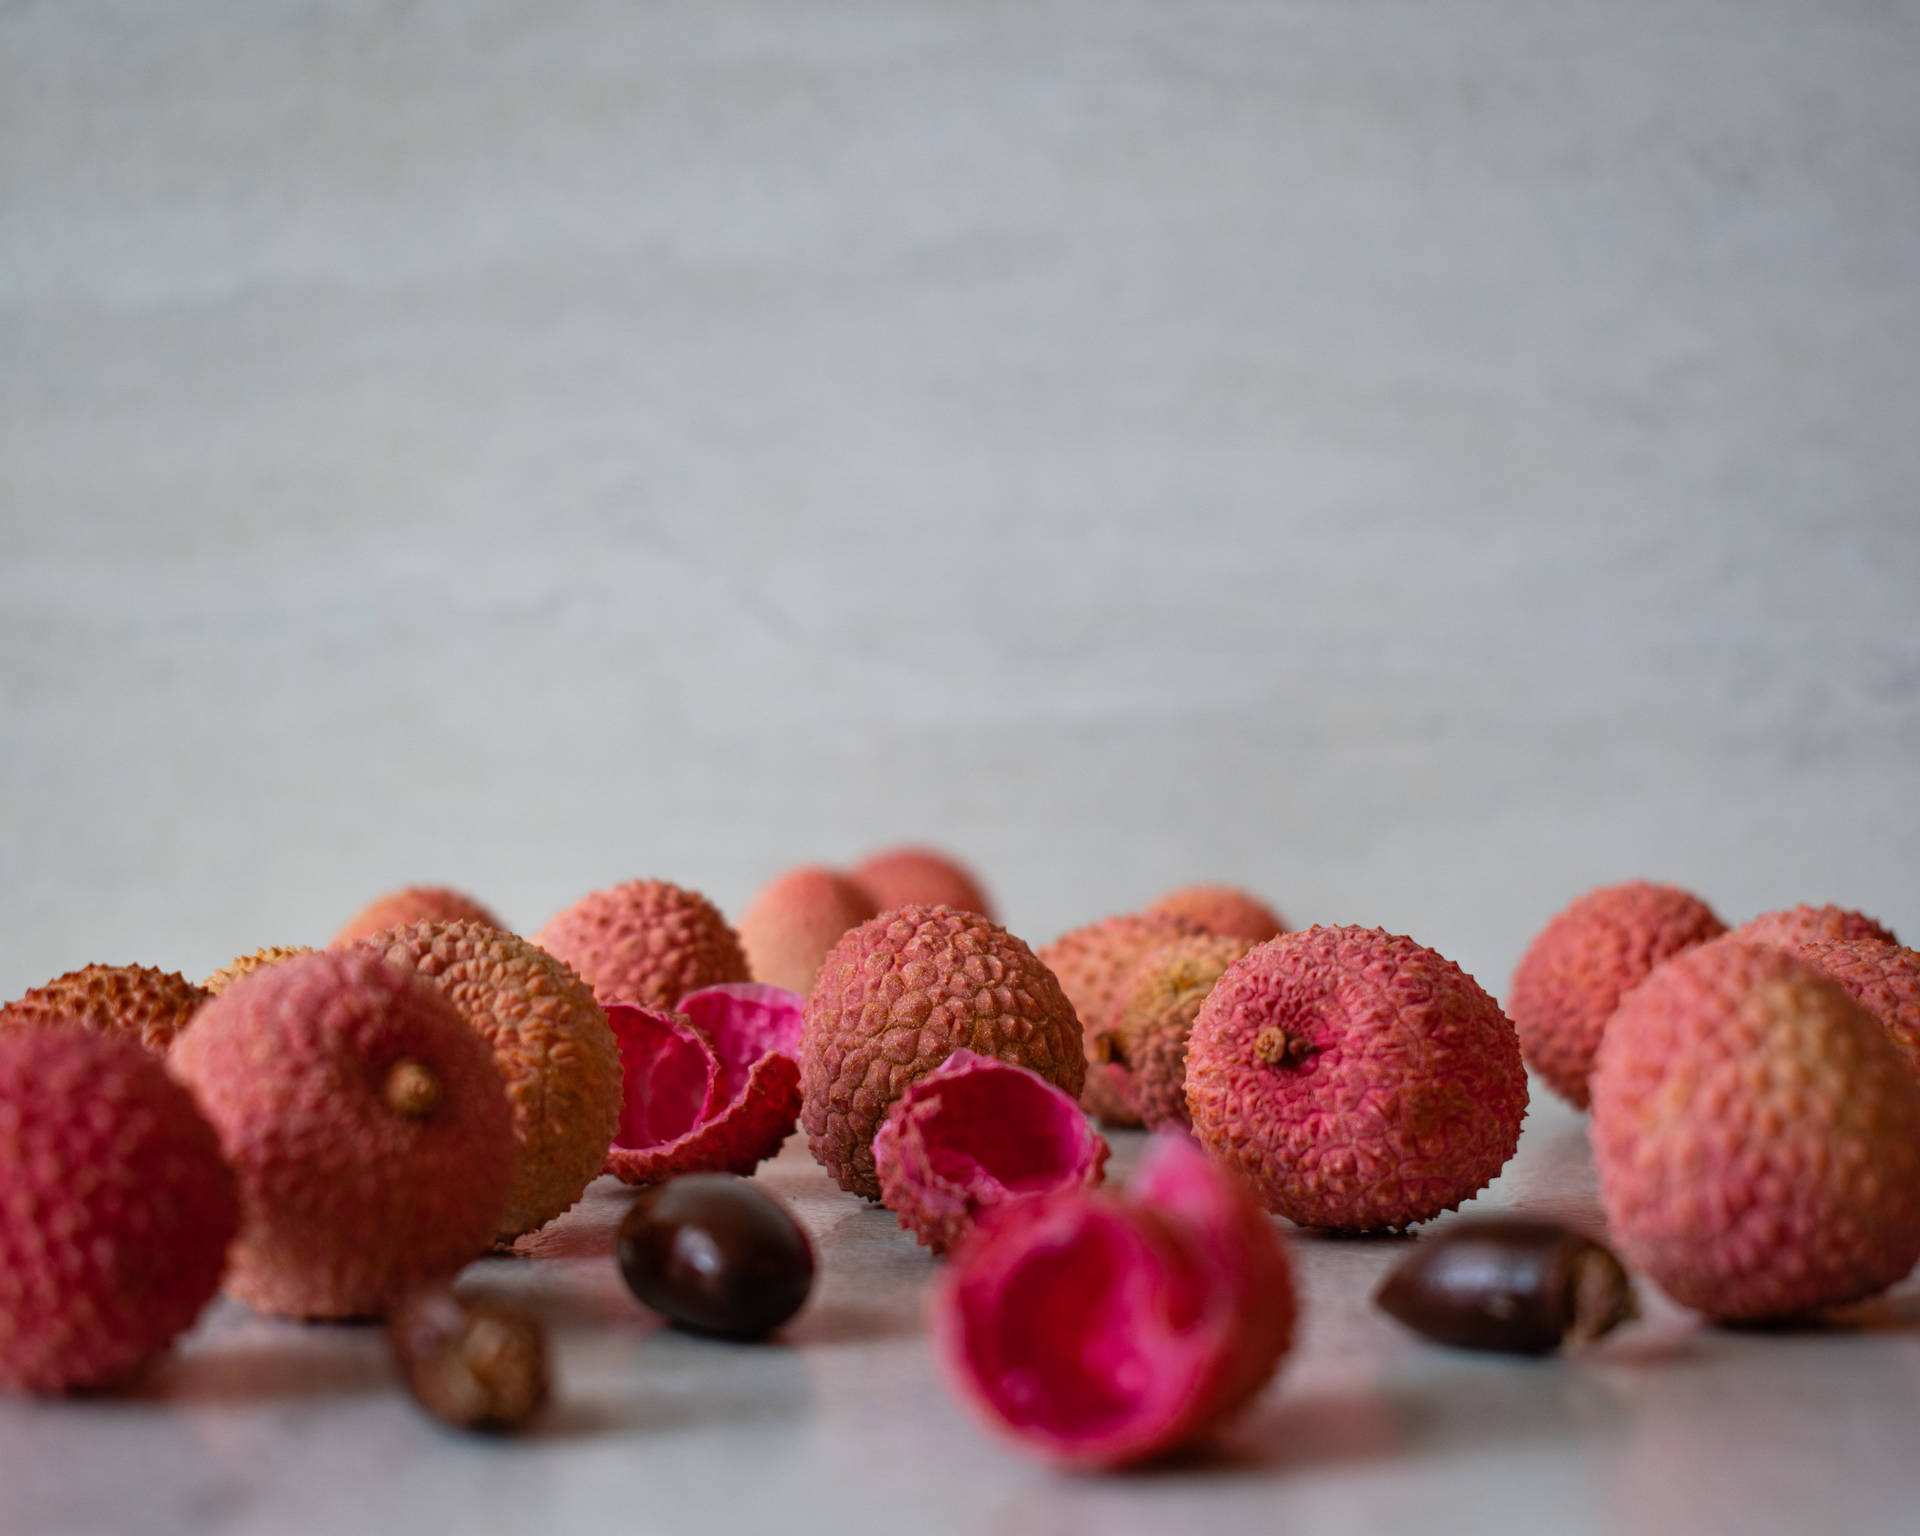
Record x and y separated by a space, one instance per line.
245 965
475 1365
145 1004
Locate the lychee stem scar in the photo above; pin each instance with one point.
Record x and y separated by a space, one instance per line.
411 1090
1276 1048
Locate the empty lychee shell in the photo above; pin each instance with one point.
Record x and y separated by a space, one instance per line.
1097 1330
974 1133
714 1088
139 1001
415 904
1793 926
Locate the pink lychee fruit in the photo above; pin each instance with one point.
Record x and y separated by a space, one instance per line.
646 942
1757 1136
914 876
1096 1330
414 904
789 927
138 1001
1224 909
116 1209
1360 1081
1585 960
1807 925
1883 978
1152 1019
974 1133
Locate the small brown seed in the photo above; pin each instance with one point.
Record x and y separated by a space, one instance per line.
473 1364
1515 1284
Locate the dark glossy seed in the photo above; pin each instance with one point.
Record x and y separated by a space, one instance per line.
472 1364
716 1254
1509 1283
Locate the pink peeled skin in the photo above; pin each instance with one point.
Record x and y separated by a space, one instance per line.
1097 1330
712 1088
974 1133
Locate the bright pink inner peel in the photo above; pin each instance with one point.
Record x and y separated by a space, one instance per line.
671 1077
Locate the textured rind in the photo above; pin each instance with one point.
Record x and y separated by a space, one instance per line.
1091 963
551 1046
1098 1331
415 904
913 876
896 997
789 927
1152 1018
137 1001
1409 1101
1794 926
1586 959
1883 978
646 942
116 1209
941 1155
245 965
1224 909
346 1204
1757 1136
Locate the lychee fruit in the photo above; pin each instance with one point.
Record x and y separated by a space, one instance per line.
367 1124
646 942
551 1045
1224 909
1757 1136
897 996
1807 925
1585 960
246 965
789 927
1360 1081
914 876
1091 962
1883 978
1097 1330
414 904
974 1133
1152 1017
116 1209
138 1001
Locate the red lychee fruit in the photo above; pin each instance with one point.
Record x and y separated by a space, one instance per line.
1883 978
789 927
246 965
1360 1081
1806 925
116 1209
366 1122
895 998
1152 1018
1757 1136
920 877
1585 960
144 1004
415 904
1224 909
646 942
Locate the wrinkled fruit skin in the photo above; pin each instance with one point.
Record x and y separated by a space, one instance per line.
137 1001
1225 910
795 920
551 1045
920 877
1757 1136
1096 1330
415 904
895 998
1360 1081
646 942
116 1209
1795 926
1585 960
245 965
975 1133
1091 963
1882 978
1152 1019
367 1125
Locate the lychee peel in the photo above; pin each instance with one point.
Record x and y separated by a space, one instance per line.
895 998
137 1001
1757 1137
789 927
646 942
1585 960
1224 909
414 904
116 1209
246 965
1098 1330
1152 1018
1793 926
1883 978
1358 1080
916 876
974 1133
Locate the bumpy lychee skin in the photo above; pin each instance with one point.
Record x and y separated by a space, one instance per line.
245 965
1091 962
1224 909
913 876
552 1047
415 904
1360 1081
116 1209
367 1125
1152 1018
1757 1136
1585 960
1794 926
646 942
138 1001
895 998
1883 978
795 920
